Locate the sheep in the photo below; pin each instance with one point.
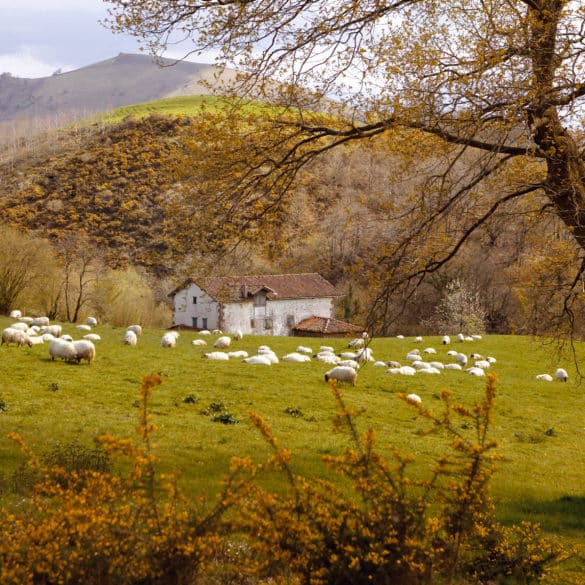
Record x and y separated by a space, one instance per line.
544 377
304 349
15 314
413 399
353 364
483 364
474 371
84 350
61 348
326 348
393 364
169 339
222 342
35 340
40 321
238 335
54 330
418 339
238 354
347 355
430 350
83 327
561 375
327 358
296 357
342 374
20 325
136 328
356 343
216 355
65 337
271 356
402 370
446 340
91 321
199 342
204 332
217 332
364 355
258 359
16 336
380 364
461 358
92 337
460 337
130 338
453 367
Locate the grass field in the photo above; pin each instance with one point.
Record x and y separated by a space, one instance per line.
539 425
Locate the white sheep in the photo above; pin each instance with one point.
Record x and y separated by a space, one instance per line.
258 360
61 348
460 337
20 325
222 342
474 371
199 342
304 349
83 327
326 348
16 336
430 350
356 343
446 340
561 375
204 332
238 335
296 357
327 358
169 339
240 353
136 328
36 340
130 338
54 330
342 374
453 367
66 337
216 355
91 321
352 364
92 337
15 314
364 355
40 321
84 350
461 358
544 377
413 399
418 339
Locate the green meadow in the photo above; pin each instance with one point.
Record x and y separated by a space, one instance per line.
201 411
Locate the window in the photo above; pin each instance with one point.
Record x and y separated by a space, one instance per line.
268 323
290 320
194 320
194 300
204 319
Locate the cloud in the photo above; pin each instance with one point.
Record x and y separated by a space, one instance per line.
24 63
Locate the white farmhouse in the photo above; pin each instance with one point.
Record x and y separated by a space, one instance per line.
259 304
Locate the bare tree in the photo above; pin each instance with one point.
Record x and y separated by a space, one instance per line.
493 88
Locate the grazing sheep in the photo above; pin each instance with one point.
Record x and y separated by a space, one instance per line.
199 342
342 374
296 357
413 399
446 340
54 330
326 348
217 332
136 328
92 337
461 358
66 337
393 364
83 327
474 371
240 353
402 370
353 364
327 358
430 350
238 335
169 339
356 343
304 349
380 364
216 355
453 367
16 336
483 364
84 350
544 377
20 325
223 342
61 348
364 355
40 321
258 360
418 339
204 332
460 337
130 338
561 375
36 340
15 314
91 321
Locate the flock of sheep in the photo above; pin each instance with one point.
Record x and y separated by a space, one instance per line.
346 364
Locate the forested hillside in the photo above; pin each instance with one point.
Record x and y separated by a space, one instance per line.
135 191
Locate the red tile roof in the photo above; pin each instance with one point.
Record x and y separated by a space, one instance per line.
277 286
327 326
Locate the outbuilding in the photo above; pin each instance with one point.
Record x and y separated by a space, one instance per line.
256 304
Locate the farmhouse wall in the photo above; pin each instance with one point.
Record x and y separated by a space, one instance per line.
203 313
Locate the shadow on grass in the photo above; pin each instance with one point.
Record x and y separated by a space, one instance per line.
564 514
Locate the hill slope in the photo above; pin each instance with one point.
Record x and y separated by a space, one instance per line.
123 80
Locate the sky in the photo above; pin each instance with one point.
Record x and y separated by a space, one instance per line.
39 37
